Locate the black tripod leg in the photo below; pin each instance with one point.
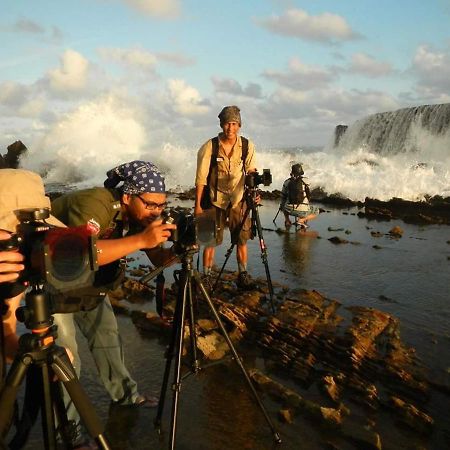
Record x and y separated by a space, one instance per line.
65 372
176 387
9 392
237 358
193 336
169 356
263 248
48 420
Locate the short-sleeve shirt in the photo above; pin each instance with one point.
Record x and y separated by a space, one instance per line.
98 208
230 172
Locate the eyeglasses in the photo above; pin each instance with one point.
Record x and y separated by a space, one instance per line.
151 206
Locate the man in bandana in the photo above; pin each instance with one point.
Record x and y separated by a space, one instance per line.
125 218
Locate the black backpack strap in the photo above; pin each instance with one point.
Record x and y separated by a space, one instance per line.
244 151
213 163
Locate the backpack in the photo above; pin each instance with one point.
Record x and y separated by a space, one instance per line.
205 201
297 191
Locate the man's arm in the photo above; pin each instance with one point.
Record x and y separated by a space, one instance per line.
154 234
201 175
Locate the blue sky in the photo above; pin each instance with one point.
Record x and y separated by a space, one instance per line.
149 73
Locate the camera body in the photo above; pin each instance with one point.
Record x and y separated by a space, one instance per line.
62 258
253 179
191 231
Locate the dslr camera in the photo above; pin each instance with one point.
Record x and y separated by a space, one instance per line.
190 231
61 258
253 179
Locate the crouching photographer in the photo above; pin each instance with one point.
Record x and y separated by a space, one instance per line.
125 217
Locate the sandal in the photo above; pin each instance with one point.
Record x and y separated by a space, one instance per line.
146 401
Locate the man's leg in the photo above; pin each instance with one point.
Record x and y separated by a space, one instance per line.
287 221
242 257
208 259
100 328
67 338
208 253
239 236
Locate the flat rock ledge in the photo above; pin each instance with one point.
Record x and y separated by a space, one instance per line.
345 368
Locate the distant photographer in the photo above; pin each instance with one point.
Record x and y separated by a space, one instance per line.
295 197
222 164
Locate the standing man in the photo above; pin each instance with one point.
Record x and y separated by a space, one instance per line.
125 219
222 164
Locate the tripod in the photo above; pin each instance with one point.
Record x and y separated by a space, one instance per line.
189 279
252 206
37 350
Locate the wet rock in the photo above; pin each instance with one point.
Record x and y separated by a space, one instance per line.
434 210
285 415
351 357
330 387
396 232
11 158
411 416
338 240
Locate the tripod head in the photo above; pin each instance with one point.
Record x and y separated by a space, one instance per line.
36 314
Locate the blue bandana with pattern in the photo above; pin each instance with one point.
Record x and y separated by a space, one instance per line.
138 177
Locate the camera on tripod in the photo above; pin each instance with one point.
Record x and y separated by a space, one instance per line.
62 258
191 231
253 179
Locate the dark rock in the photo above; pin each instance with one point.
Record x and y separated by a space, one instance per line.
338 240
11 159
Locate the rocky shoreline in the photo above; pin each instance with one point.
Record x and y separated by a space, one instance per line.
342 368
435 210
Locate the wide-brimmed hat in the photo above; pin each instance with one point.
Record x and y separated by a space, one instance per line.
21 189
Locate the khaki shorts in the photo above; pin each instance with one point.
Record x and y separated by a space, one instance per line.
232 218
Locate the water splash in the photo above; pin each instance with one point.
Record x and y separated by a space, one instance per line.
83 145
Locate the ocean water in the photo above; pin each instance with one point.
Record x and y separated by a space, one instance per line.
407 277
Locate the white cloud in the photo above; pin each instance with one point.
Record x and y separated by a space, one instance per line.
366 65
159 8
72 75
326 27
234 88
300 76
141 59
432 69
185 99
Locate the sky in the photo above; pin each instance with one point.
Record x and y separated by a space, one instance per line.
133 75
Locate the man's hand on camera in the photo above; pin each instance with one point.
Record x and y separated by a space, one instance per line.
156 233
10 262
